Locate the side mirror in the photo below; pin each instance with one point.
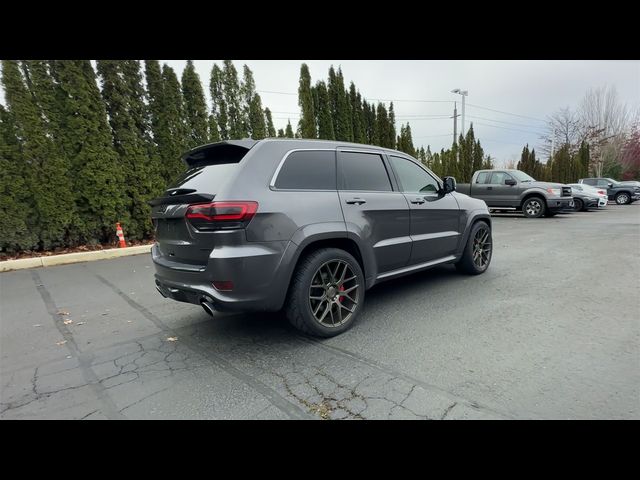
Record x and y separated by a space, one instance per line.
510 181
449 184
609 185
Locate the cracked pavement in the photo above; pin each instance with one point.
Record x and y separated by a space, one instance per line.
534 337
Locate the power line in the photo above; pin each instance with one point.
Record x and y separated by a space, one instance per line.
507 128
506 113
507 123
399 100
279 93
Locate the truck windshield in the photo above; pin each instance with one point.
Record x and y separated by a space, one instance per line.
521 176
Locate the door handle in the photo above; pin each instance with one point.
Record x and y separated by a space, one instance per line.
356 201
489 188
418 200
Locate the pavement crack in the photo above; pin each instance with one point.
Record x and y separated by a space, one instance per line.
449 408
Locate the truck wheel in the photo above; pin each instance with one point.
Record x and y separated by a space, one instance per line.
533 207
326 293
578 205
623 198
476 256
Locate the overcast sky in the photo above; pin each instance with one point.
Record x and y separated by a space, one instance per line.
527 88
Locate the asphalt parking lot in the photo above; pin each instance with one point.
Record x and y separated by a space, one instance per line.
552 330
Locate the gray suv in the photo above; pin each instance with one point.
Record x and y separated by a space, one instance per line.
308 225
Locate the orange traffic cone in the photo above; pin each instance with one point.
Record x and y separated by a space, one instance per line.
120 235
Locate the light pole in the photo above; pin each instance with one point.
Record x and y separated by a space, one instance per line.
464 93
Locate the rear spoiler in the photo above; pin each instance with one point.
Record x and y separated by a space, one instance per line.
226 149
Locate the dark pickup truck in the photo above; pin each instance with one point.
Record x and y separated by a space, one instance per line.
515 190
622 193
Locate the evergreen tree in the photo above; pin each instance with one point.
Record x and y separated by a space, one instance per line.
339 106
257 119
98 179
307 122
175 122
218 123
405 142
232 96
16 205
323 112
130 144
357 117
271 131
252 113
289 131
141 116
195 107
391 127
281 133
382 130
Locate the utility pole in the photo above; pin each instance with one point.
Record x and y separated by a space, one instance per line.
463 93
455 122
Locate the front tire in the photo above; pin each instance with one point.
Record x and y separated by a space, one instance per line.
623 199
534 207
578 205
476 256
326 293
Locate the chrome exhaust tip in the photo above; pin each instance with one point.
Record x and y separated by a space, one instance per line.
207 306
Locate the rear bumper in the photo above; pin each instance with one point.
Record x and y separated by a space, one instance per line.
252 267
560 204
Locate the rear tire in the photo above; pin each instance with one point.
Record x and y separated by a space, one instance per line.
534 207
315 304
476 256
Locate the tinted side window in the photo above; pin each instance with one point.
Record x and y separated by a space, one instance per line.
413 179
498 178
364 171
603 183
483 177
308 170
589 181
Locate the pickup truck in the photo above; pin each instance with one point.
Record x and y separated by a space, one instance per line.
515 190
622 193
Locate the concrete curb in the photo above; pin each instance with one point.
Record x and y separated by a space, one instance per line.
72 258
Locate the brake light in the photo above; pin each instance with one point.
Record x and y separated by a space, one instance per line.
602 192
221 215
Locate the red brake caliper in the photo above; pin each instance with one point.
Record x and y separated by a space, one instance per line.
341 297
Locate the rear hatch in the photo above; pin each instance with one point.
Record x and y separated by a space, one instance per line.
186 243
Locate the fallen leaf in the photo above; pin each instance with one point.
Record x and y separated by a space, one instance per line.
68 321
62 342
172 339
129 321
63 312
37 325
81 323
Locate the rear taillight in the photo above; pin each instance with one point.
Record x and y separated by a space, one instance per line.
602 192
221 215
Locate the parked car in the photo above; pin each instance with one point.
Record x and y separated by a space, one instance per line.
630 182
308 225
586 197
621 193
515 190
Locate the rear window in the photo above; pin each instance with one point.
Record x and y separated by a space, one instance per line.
364 171
206 178
483 177
308 170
